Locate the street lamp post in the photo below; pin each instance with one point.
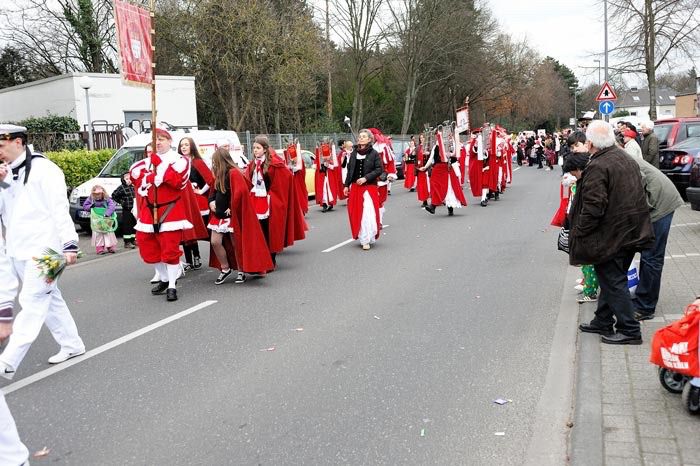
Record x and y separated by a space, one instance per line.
575 89
86 83
598 61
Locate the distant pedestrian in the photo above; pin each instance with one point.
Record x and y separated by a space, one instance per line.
610 222
631 146
124 196
663 199
650 143
101 208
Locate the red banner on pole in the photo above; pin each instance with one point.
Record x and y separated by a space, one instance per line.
135 48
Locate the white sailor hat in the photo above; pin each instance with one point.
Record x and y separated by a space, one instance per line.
8 131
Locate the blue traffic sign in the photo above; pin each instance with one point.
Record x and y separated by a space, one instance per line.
606 107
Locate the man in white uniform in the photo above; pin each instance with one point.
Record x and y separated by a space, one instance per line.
34 212
12 450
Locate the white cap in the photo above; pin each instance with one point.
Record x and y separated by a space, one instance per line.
8 131
223 142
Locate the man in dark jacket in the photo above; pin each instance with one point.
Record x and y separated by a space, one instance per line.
650 144
610 222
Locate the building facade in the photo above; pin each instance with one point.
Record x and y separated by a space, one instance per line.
636 102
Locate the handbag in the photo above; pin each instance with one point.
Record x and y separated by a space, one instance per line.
100 223
563 240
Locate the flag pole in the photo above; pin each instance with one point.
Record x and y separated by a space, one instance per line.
154 112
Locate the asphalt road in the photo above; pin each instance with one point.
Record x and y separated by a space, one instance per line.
392 356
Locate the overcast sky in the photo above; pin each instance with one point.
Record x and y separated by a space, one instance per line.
570 31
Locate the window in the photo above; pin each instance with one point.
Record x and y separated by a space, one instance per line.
633 113
635 98
692 130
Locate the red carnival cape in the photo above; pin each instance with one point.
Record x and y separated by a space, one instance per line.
320 178
422 182
192 211
356 205
246 247
462 164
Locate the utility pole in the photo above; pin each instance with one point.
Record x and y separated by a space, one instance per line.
329 102
605 12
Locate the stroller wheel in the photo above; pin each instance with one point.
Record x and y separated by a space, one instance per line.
691 398
672 381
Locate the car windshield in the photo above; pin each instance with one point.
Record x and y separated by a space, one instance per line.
662 132
121 161
690 143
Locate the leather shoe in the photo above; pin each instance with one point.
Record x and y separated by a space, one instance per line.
622 339
588 328
450 211
159 288
171 294
430 209
640 316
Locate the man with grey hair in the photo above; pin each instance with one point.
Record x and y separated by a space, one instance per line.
650 143
610 222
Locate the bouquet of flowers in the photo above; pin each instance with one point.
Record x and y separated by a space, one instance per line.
51 264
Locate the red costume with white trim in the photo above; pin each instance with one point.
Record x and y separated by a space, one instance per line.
295 161
326 179
422 179
409 168
160 181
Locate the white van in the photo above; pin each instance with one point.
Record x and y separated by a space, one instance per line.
133 150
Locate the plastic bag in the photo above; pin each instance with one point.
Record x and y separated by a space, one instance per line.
675 346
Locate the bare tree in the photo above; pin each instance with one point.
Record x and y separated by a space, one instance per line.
650 33
60 36
362 34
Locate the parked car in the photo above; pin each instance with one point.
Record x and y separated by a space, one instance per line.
132 151
671 131
676 162
310 179
692 192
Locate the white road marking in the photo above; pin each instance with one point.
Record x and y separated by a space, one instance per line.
517 169
685 224
101 349
339 245
347 241
677 256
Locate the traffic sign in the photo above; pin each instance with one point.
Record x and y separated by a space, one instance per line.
606 107
606 93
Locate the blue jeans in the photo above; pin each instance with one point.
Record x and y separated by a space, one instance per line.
651 266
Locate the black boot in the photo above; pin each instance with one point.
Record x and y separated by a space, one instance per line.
495 195
171 294
330 207
324 207
430 209
450 211
196 262
159 288
484 203
425 203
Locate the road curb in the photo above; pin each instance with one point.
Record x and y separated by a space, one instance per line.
586 446
548 445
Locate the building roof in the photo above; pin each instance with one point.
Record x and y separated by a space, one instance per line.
92 75
638 97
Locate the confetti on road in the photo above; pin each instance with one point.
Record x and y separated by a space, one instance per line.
439 270
477 297
422 432
299 329
377 317
501 401
41 453
271 348
499 434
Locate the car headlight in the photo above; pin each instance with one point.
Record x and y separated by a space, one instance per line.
73 199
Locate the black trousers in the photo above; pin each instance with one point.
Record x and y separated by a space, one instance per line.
614 301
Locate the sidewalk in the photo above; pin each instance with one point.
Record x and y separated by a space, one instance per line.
623 416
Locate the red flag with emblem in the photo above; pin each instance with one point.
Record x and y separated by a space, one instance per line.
134 40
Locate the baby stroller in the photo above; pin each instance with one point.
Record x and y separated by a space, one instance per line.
675 350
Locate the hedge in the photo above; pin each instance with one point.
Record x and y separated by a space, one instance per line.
80 165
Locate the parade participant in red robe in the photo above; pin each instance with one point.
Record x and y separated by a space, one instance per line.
364 170
160 182
422 179
271 193
326 183
296 165
409 165
196 197
445 188
237 239
346 148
